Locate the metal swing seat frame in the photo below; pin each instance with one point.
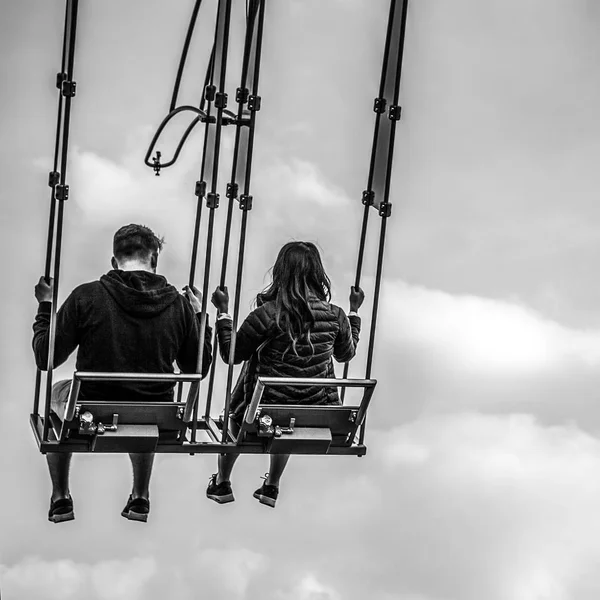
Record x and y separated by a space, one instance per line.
173 427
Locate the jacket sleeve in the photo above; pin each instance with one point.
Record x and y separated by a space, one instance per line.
252 333
344 347
187 359
67 332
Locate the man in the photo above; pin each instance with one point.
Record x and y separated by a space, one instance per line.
131 320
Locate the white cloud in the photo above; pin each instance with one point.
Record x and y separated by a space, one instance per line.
484 335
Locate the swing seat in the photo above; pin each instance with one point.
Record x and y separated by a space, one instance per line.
302 429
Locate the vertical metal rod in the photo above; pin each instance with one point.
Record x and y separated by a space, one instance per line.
184 52
52 216
73 5
375 310
244 223
234 324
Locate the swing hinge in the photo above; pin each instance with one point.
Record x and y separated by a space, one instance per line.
245 202
254 103
61 192
212 200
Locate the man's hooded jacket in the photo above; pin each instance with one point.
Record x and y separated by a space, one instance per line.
129 321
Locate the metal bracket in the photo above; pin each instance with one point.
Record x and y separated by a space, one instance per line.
232 190
60 77
285 430
245 202
61 192
385 209
221 100
352 417
212 200
395 112
241 95
210 92
368 197
53 178
68 88
157 166
379 105
254 103
200 189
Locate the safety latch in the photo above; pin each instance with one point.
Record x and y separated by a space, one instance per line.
281 430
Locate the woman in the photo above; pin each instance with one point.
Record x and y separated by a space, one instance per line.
294 332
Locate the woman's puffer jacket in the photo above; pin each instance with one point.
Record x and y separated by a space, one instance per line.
332 335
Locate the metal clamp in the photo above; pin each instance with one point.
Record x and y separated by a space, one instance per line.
241 95
212 200
210 92
61 192
395 112
254 103
368 197
53 178
68 88
157 166
200 189
221 100
245 202
281 430
385 209
232 190
379 105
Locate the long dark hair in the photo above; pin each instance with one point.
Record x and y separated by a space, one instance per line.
298 274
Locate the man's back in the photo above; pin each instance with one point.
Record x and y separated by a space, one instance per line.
128 321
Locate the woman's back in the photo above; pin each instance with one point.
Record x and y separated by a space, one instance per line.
331 335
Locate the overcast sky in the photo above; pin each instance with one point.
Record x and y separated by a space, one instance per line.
482 478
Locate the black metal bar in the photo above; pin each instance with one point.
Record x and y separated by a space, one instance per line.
72 7
184 52
52 216
236 310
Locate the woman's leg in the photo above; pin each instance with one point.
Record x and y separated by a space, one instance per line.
278 463
225 463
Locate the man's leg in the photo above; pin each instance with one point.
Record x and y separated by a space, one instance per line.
59 462
142 470
58 465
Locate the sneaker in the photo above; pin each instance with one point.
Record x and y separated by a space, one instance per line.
61 510
221 493
267 494
136 510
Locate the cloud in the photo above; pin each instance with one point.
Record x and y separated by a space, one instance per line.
485 335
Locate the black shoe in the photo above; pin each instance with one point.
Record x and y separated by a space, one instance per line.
61 510
221 493
136 510
267 494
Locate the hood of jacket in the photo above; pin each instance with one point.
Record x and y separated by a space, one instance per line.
139 293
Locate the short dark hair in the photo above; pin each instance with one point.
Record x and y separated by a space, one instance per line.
136 242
